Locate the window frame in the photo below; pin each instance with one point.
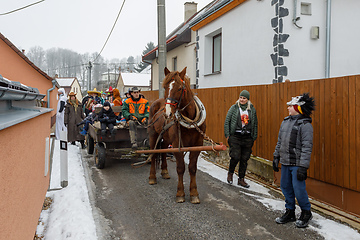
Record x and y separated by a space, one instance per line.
213 60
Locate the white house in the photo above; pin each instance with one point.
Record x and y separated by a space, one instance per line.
246 42
129 80
108 79
180 47
70 84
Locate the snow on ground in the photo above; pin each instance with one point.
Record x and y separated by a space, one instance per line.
70 215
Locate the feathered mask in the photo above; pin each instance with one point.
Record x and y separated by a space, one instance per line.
303 104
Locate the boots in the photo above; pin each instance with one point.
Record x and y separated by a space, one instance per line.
230 178
133 139
304 219
241 182
289 216
113 132
82 144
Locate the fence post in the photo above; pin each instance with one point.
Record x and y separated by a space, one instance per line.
63 159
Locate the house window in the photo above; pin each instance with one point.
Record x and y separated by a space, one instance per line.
175 63
216 54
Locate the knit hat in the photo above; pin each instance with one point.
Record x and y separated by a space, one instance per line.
106 104
245 93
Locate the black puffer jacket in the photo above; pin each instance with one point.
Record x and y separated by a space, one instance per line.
295 141
107 116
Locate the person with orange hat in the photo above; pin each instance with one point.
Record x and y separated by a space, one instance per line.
117 99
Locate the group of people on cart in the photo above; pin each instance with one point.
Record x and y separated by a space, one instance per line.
75 117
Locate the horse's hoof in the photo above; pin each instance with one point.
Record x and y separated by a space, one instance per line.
195 199
180 199
152 181
165 174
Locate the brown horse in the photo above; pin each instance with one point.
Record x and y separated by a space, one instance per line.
178 98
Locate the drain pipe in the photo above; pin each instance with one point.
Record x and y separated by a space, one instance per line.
295 18
48 92
328 28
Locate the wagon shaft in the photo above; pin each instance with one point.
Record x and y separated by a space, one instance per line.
220 147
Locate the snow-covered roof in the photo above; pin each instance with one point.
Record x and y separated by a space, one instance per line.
146 70
65 82
136 79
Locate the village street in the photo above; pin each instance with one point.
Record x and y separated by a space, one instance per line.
127 207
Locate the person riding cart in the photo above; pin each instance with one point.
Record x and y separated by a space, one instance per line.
136 112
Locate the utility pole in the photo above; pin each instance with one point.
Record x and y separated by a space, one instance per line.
89 76
161 44
108 77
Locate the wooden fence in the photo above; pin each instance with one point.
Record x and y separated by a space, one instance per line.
335 122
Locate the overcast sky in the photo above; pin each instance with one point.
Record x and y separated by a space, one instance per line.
84 25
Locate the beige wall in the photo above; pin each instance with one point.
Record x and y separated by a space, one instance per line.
75 87
186 57
22 182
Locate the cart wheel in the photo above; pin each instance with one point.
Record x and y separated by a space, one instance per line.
90 144
146 143
100 156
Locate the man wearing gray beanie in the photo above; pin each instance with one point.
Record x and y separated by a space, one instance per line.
240 130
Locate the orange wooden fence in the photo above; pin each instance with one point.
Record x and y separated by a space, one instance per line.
335 122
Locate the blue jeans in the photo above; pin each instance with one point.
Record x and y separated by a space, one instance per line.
292 187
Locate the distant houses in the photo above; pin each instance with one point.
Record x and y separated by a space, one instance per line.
70 84
129 80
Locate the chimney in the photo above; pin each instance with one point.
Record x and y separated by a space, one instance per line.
23 51
190 8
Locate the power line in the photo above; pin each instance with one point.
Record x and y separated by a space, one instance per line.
1 14
110 31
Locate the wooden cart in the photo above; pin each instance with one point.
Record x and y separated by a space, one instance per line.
117 146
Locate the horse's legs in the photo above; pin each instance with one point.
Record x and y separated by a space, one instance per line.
152 177
194 195
180 168
164 170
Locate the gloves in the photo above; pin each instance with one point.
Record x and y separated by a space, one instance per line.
133 118
276 164
301 173
144 121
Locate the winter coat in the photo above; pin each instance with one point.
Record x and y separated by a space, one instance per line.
232 119
137 108
295 141
107 116
72 118
60 114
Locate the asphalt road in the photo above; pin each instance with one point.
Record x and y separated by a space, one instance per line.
125 206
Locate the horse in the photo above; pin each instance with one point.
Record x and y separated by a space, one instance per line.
179 100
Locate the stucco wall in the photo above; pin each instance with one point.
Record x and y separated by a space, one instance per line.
246 46
22 182
13 67
186 56
248 36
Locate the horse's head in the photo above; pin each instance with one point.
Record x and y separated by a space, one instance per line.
175 85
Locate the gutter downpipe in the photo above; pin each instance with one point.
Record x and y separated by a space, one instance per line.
48 92
328 29
151 74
